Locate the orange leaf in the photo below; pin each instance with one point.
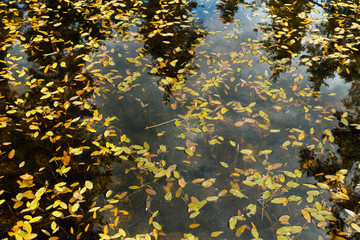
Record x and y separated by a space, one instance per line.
240 230
284 218
195 225
262 97
306 215
239 123
66 158
249 120
277 107
182 182
11 154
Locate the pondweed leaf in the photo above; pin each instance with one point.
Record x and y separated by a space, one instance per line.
288 230
246 151
236 193
216 234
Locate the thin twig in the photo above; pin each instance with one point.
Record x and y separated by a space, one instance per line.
162 123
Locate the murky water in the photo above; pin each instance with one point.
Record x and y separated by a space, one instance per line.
211 119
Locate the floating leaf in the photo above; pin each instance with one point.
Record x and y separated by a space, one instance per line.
157 226
306 215
208 182
252 209
195 225
224 164
182 182
284 218
216 234
150 191
232 223
240 230
246 151
236 193
288 230
279 200
89 185
189 152
11 154
355 226
57 213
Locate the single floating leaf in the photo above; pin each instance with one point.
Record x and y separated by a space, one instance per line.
195 225
216 234
355 226
232 223
89 185
189 152
236 193
246 151
240 230
224 164
306 215
11 154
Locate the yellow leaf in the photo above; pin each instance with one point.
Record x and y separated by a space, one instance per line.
27 227
57 213
246 151
89 185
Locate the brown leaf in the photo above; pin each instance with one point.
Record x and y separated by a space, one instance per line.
150 191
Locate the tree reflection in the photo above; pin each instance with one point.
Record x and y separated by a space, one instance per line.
285 32
170 35
51 119
325 164
228 9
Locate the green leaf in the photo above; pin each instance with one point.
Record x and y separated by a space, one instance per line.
194 214
252 209
288 230
255 233
298 173
290 174
168 196
292 184
157 226
266 195
189 152
355 226
246 151
224 164
232 223
160 174
212 198
294 198
279 200
236 193
313 193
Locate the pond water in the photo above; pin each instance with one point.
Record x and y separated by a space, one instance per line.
179 119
